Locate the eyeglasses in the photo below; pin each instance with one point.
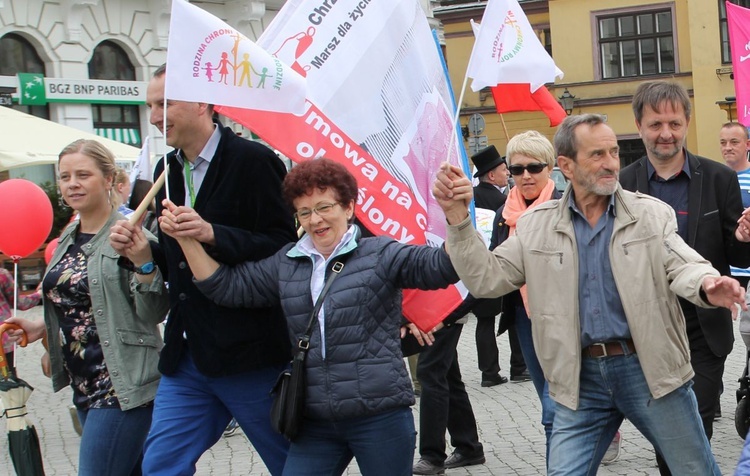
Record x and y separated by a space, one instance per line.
534 168
323 209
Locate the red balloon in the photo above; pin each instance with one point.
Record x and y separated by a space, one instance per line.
50 250
25 217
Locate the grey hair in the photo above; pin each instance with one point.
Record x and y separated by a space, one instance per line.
565 137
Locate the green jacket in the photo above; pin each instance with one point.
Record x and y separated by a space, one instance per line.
126 319
651 266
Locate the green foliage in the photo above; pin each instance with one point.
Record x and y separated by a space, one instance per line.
61 213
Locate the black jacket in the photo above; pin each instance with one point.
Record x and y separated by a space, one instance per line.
241 197
488 196
714 205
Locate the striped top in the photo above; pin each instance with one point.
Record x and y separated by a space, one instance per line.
744 178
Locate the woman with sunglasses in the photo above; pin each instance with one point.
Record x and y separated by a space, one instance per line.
359 392
531 159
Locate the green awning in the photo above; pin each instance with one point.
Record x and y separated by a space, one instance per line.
126 136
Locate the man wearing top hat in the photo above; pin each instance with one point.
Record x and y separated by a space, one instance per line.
492 172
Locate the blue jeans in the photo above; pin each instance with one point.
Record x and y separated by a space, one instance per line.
382 444
523 329
112 441
612 388
192 410
743 468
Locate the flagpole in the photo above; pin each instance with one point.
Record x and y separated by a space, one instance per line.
164 139
505 129
455 116
136 216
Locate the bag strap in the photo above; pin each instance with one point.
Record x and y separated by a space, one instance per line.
304 342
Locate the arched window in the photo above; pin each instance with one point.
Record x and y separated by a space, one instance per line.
118 122
17 55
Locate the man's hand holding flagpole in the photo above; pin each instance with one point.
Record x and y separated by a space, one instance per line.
138 213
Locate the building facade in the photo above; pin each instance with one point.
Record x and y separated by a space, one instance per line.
606 49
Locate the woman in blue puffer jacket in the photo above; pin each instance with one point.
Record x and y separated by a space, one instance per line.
358 389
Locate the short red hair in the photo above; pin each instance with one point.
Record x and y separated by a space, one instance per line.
320 174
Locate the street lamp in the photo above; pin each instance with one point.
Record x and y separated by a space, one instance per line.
567 101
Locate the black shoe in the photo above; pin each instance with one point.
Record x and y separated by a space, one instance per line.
457 460
494 380
522 377
717 414
425 467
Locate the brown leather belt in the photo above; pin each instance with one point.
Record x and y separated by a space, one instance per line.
608 349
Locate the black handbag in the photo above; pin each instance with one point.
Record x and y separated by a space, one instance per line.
288 393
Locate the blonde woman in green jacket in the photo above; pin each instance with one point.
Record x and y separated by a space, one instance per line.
102 332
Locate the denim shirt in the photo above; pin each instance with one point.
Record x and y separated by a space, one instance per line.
601 314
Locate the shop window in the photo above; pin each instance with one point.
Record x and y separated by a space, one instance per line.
17 55
636 43
118 122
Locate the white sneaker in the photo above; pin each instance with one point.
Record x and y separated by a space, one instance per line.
613 451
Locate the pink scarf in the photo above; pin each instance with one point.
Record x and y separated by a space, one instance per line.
515 206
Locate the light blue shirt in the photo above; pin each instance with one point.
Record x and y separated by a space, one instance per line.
318 278
199 167
602 316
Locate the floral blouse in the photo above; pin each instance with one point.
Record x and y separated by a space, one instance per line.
66 285
7 290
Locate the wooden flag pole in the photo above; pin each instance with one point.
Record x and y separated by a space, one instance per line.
505 129
138 213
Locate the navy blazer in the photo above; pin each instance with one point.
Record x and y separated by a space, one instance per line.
714 206
241 197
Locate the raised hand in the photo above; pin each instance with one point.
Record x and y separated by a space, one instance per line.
453 192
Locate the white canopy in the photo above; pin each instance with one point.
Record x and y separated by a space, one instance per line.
28 140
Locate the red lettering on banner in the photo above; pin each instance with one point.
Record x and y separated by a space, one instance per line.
386 206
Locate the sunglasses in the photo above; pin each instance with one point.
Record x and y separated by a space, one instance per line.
534 168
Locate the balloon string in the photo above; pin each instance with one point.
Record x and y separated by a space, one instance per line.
16 259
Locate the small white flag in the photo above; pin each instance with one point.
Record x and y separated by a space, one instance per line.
142 169
209 61
508 51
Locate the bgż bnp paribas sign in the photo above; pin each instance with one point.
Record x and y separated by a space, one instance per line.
34 89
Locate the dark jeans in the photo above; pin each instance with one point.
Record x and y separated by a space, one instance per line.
707 382
444 403
192 411
382 444
523 327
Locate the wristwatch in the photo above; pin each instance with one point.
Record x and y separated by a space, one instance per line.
146 268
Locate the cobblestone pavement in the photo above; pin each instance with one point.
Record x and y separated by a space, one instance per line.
507 415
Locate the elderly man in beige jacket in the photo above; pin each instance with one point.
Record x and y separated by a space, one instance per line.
601 269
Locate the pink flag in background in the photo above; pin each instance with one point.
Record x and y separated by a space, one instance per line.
738 19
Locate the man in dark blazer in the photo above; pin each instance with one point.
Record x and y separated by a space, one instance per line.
706 198
217 363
